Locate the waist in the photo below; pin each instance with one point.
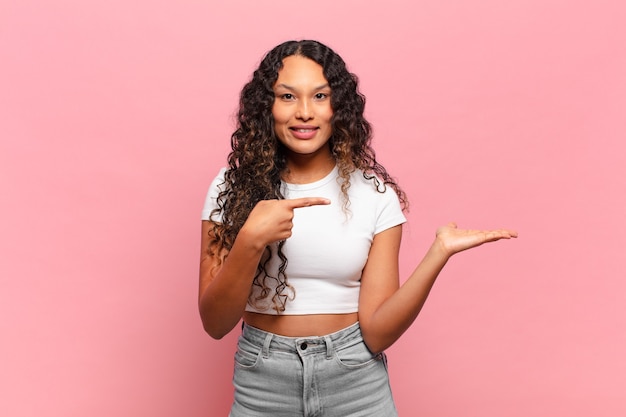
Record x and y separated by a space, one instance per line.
300 325
311 344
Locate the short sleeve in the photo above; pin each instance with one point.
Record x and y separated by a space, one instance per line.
217 185
389 211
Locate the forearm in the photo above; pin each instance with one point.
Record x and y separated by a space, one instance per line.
223 300
384 321
394 316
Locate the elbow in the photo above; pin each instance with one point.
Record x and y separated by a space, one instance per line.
376 343
214 329
216 320
210 322
217 326
217 335
376 348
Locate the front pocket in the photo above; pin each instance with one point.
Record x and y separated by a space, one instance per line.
356 356
247 354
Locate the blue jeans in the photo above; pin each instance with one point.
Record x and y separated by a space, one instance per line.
327 376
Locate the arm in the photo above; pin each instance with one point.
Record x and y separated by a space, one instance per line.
224 289
386 310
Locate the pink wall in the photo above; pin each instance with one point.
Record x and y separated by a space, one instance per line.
115 115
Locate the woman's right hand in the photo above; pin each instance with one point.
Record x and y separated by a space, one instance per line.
272 220
225 283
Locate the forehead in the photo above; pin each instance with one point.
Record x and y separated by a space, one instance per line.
298 70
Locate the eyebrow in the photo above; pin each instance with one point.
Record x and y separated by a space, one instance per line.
290 88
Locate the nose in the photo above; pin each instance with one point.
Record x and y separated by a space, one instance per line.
304 110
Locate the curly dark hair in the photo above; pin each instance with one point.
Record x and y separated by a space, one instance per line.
258 159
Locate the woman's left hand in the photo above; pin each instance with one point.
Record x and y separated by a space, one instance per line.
453 240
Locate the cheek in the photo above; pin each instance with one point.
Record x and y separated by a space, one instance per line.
279 116
328 116
278 124
327 111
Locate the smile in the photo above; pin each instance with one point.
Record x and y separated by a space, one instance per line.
304 130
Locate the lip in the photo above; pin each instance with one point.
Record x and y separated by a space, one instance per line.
303 131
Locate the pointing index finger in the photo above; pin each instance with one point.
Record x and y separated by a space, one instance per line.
307 202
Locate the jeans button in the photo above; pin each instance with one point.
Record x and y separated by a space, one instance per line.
303 346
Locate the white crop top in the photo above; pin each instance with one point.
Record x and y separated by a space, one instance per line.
328 248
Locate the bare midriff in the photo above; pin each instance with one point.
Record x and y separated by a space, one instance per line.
300 325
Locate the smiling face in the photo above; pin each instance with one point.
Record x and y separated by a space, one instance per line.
302 111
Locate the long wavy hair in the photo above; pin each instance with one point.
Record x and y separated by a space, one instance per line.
258 159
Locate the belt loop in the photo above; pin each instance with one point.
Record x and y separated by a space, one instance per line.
266 345
330 350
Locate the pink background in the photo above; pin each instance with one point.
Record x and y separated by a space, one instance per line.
115 116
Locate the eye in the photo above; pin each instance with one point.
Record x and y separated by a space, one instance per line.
287 97
321 96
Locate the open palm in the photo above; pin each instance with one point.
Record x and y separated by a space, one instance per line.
454 240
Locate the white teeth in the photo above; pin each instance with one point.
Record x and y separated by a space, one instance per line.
304 130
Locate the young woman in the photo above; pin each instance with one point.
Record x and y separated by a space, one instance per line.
300 239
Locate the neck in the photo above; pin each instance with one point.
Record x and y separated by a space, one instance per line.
302 170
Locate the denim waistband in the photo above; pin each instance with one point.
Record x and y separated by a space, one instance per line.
302 345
